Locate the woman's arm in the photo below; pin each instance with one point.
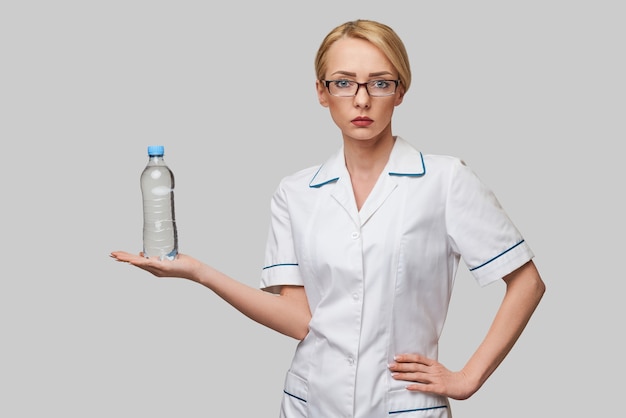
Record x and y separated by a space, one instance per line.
287 313
524 290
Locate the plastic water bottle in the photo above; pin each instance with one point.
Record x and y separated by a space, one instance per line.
160 236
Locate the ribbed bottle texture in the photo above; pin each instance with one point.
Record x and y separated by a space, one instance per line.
160 236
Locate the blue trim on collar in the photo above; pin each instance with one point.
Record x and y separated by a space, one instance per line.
403 162
391 173
316 186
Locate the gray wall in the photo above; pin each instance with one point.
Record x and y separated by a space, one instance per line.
530 94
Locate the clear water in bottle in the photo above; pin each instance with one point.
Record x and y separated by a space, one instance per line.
160 236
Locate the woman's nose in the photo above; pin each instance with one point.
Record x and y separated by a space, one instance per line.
362 97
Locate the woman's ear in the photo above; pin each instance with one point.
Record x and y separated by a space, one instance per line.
399 96
321 93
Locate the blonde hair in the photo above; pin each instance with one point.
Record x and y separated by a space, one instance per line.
380 35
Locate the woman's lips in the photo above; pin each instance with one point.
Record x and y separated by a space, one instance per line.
362 121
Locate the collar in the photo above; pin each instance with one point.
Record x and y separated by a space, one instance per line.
404 160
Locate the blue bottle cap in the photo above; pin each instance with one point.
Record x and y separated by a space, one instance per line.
155 150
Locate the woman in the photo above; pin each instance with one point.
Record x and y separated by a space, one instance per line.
363 251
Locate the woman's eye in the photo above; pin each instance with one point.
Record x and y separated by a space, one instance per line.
343 83
380 84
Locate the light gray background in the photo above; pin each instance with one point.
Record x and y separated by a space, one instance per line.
530 94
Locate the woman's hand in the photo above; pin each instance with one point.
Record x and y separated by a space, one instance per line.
430 376
182 266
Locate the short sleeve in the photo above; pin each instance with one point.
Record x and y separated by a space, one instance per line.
481 231
281 264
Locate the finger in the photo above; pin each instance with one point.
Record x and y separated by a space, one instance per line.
420 387
408 367
122 254
119 256
413 358
417 377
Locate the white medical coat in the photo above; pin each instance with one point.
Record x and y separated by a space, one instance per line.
379 280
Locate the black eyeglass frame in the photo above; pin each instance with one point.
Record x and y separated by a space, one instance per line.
358 86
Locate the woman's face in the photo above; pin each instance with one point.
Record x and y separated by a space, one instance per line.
360 117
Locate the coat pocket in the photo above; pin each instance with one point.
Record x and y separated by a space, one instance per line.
406 404
294 404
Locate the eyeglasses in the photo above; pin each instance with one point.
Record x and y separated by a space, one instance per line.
349 88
